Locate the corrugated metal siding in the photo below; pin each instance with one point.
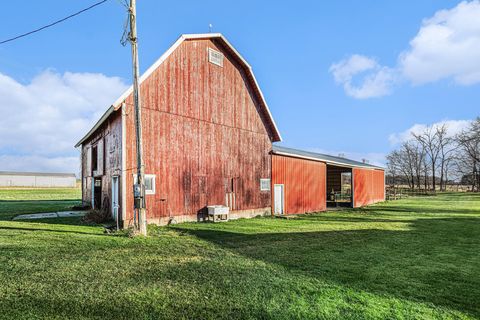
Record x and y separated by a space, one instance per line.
203 133
304 182
368 186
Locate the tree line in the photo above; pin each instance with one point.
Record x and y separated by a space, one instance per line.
433 159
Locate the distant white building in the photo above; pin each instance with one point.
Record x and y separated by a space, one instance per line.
37 179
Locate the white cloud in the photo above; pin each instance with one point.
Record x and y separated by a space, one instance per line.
453 127
42 120
377 80
346 69
447 46
374 158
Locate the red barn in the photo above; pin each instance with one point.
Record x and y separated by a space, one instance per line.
309 182
208 136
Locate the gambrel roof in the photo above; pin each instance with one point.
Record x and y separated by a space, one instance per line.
213 36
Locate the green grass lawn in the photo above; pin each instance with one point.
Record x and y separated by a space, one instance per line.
409 259
22 201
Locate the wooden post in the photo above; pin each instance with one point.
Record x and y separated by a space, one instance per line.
142 219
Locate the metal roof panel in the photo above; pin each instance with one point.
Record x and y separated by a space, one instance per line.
322 157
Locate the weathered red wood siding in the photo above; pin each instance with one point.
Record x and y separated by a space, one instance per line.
204 135
109 138
304 183
368 186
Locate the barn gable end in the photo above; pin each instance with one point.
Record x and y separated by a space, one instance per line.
207 135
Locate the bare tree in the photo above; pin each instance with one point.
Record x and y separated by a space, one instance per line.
392 168
449 170
417 156
399 166
447 147
408 162
466 169
469 140
469 144
434 152
430 142
425 173
407 154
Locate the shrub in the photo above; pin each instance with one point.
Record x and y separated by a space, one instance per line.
98 216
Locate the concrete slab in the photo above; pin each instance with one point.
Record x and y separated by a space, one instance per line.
36 216
67 214
48 215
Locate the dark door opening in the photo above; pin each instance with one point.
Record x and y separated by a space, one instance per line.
94 159
97 193
339 186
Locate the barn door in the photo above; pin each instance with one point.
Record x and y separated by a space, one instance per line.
93 193
115 198
278 198
230 188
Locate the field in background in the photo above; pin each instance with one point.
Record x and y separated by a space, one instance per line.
31 200
414 258
401 192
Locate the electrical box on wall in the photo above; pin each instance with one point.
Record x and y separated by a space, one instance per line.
139 196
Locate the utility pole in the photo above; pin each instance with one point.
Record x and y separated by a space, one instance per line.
139 188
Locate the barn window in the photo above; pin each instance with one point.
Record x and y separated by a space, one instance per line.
215 57
149 183
264 184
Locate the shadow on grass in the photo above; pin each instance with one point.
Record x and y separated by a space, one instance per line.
42 229
43 225
435 261
70 221
12 208
40 201
422 210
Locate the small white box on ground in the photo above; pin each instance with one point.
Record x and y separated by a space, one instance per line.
218 211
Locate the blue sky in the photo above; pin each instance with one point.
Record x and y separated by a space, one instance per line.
291 46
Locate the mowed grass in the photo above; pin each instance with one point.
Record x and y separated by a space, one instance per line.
409 259
29 200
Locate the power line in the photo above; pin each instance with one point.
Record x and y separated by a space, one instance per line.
53 23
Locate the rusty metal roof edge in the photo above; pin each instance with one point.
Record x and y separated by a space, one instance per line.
328 159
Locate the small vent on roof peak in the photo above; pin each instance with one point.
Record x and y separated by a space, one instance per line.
215 57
